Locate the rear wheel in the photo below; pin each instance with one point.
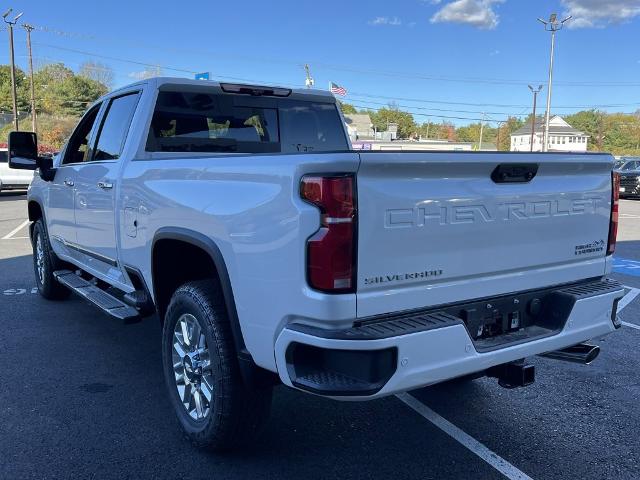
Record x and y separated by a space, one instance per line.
45 262
214 406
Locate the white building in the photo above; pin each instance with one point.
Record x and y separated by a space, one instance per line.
359 126
562 137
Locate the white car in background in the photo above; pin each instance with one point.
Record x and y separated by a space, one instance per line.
11 179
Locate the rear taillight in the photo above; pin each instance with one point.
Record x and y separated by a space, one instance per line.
331 250
615 201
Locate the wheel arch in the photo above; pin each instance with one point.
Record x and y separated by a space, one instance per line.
194 239
35 213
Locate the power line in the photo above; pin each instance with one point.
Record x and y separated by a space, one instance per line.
431 108
422 100
448 117
348 68
117 59
355 94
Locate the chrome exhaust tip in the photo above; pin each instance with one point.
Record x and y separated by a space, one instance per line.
582 353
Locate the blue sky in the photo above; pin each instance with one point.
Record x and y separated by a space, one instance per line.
437 57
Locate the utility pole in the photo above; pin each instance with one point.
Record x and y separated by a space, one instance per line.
10 24
481 132
552 25
498 139
309 81
29 29
533 117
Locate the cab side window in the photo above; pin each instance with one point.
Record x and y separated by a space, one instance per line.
77 150
114 128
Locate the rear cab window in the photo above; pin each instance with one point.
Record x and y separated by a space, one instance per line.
201 121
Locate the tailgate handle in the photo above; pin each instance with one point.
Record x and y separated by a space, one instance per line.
514 172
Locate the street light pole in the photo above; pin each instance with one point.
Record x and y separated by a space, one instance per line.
533 117
309 81
552 25
29 29
10 24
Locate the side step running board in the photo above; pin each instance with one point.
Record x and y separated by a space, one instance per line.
106 302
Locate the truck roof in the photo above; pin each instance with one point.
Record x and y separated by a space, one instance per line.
307 94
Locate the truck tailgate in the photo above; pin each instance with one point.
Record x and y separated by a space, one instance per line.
435 228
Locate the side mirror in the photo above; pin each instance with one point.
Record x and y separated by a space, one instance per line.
23 150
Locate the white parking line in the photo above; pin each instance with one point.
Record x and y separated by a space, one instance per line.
626 300
466 440
471 443
629 297
9 235
626 324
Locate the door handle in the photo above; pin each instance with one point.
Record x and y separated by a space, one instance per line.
105 185
68 183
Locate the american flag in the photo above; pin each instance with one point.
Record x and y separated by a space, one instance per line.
338 90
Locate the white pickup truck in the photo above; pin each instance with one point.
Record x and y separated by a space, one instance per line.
273 253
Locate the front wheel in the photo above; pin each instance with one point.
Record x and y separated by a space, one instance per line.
44 264
214 406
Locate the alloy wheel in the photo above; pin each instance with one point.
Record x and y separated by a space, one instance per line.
192 367
40 259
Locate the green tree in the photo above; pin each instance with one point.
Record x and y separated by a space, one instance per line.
60 92
22 90
622 134
503 140
392 114
591 122
347 108
471 133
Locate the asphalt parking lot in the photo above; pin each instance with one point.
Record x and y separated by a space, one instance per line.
82 396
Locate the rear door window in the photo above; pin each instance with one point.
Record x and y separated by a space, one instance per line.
115 126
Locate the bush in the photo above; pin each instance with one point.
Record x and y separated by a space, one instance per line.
53 131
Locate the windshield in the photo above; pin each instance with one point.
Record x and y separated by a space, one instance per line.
632 165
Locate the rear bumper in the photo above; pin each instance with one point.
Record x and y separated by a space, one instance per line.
394 355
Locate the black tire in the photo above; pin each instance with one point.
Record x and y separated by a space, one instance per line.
237 413
48 286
